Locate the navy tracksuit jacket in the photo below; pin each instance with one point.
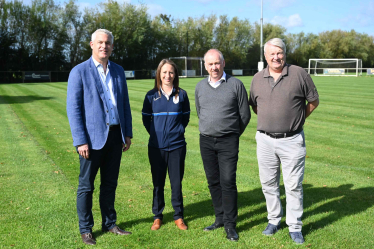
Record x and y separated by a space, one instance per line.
166 120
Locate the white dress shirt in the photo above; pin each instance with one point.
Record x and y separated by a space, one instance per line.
110 100
217 83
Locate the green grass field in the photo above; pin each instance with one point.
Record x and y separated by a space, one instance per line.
39 175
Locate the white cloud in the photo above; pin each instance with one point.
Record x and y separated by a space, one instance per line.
155 9
295 21
288 22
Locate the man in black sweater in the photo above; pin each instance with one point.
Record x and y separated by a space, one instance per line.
223 111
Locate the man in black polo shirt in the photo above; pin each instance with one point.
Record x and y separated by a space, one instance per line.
278 96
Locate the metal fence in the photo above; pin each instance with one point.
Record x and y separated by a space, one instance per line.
19 77
62 76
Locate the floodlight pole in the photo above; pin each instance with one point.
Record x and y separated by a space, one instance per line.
261 62
201 67
187 43
261 56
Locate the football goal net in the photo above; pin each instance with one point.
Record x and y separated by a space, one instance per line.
335 67
189 66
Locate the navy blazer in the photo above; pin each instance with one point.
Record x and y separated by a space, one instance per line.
86 108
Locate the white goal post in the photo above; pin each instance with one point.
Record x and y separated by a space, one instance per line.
189 66
335 67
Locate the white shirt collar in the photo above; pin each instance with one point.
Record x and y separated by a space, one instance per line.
217 83
167 95
98 63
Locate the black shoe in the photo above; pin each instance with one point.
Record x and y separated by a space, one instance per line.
88 239
117 230
231 234
213 227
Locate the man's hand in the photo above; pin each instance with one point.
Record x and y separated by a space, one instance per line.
310 107
126 146
84 151
254 108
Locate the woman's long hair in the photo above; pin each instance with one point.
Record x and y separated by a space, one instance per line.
158 82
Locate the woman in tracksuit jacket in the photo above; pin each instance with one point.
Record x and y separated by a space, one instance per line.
166 113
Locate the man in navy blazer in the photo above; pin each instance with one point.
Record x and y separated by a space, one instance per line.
99 114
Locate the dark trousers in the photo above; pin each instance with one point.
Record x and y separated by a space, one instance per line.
173 162
108 161
220 157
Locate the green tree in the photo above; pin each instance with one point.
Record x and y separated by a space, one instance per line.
75 31
164 40
130 25
231 37
301 47
269 31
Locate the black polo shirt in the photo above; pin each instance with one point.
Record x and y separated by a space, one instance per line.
281 104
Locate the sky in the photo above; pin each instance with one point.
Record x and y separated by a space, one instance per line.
309 16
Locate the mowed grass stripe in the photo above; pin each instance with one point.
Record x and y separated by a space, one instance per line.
331 183
47 122
37 202
55 97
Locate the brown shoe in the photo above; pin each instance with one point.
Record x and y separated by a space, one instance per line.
88 239
156 224
180 224
119 231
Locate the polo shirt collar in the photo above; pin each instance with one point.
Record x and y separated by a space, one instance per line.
266 73
167 96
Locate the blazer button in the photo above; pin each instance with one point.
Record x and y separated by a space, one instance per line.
107 123
107 111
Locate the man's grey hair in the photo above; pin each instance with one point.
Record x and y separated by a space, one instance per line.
216 50
105 31
276 42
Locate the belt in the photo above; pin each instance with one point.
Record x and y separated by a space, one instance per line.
114 127
226 135
281 135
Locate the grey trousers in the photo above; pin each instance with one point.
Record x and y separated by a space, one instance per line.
290 152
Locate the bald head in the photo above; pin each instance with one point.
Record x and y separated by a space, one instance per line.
213 50
214 64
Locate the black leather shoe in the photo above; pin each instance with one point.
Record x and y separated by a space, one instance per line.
88 239
213 227
117 230
231 234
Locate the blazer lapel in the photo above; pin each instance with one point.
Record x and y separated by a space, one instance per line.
114 75
97 80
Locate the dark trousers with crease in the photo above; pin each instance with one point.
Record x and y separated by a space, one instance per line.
108 161
172 162
220 157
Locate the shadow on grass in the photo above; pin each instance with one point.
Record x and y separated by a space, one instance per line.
204 208
5 99
339 202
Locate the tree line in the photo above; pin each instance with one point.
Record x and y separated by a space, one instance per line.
46 36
